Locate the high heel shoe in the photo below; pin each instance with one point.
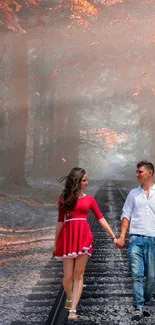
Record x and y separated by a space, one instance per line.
72 315
68 304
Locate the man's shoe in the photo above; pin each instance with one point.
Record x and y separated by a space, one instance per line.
149 303
138 314
146 313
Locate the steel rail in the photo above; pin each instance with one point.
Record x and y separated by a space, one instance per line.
120 191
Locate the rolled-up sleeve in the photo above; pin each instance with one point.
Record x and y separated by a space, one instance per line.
128 207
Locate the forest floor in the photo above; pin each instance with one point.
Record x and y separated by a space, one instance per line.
26 208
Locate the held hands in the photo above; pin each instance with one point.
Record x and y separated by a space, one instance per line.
115 241
120 242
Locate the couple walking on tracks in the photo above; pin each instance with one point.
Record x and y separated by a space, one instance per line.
73 239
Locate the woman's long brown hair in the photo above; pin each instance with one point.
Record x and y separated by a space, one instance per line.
72 189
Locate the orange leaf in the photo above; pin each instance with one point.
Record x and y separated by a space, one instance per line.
135 94
143 73
63 159
153 90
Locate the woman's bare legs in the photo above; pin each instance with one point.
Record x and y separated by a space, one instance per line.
68 266
79 268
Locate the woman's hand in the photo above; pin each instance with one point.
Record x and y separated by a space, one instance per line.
53 251
120 242
115 241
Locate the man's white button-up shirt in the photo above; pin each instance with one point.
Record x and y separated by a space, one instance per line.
140 211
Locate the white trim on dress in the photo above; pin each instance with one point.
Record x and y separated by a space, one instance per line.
72 219
74 255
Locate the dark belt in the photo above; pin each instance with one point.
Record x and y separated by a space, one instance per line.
138 235
142 235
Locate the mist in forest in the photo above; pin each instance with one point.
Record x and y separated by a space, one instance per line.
77 88
78 91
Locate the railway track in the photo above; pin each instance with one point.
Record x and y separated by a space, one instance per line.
107 283
107 292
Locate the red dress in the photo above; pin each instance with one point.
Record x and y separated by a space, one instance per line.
75 237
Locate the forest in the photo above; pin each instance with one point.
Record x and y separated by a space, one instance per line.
34 144
61 106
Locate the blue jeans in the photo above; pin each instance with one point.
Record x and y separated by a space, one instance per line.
141 253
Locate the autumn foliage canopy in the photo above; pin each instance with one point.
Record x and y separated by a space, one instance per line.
9 10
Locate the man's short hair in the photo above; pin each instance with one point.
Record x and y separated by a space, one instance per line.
147 164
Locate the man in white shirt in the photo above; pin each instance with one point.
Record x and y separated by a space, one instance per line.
139 213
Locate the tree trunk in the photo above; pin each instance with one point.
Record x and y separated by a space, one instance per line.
18 113
67 141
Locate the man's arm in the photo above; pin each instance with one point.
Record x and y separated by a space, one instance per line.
124 227
125 218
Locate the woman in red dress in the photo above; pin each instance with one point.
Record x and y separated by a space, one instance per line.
73 239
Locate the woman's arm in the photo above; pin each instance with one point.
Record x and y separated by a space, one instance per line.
101 219
104 224
59 223
58 228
